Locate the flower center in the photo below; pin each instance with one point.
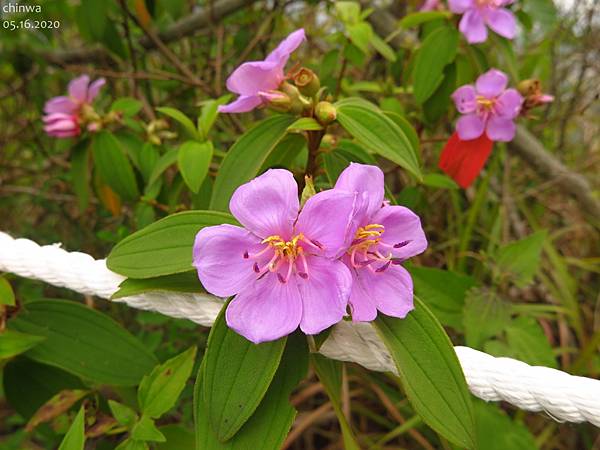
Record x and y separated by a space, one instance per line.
287 257
367 248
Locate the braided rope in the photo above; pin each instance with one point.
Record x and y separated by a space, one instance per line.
562 396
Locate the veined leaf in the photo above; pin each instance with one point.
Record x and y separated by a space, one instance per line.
246 157
237 374
163 248
438 50
75 439
167 159
13 343
7 295
177 282
84 342
305 124
183 120
193 160
113 165
430 373
378 133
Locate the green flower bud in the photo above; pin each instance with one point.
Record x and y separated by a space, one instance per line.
325 113
307 82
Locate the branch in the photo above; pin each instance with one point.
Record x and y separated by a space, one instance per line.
182 28
528 147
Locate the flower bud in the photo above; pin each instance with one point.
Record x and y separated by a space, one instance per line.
533 96
325 113
308 191
307 82
529 87
277 101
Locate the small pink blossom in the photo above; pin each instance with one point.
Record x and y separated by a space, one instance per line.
282 265
63 115
480 14
431 5
385 237
254 81
487 107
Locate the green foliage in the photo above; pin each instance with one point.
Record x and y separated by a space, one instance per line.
521 259
13 343
75 439
84 342
430 373
237 374
193 160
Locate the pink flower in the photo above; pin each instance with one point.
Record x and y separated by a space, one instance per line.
488 106
481 13
63 114
385 237
431 5
282 266
254 79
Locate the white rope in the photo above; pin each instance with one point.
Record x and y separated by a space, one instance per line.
562 396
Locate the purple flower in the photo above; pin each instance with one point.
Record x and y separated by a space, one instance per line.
282 266
254 80
488 106
479 13
63 114
385 237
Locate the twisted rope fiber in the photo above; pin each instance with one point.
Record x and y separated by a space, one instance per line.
562 396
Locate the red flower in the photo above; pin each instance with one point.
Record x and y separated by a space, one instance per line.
463 160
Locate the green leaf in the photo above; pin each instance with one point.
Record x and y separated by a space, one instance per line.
177 282
13 343
418 18
443 292
80 173
360 35
378 133
178 438
148 158
84 342
183 120
437 180
159 391
94 14
7 295
132 444
237 374
430 373
193 161
75 438
208 115
163 248
122 413
521 259
305 124
408 129
268 426
145 430
347 11
246 157
438 50
496 431
330 375
436 106
485 315
113 165
286 151
383 48
128 106
163 163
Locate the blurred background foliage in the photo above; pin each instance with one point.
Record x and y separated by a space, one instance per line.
513 263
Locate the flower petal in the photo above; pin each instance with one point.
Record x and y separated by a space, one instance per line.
266 311
429 5
502 21
403 232
324 294
501 129
283 51
391 290
94 89
366 180
243 103
252 77
465 99
267 205
473 27
219 259
362 306
460 6
470 126
492 83
463 160
78 88
327 218
509 104
60 104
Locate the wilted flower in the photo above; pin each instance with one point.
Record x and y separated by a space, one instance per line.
480 14
254 80
385 237
282 266
64 115
487 107
533 94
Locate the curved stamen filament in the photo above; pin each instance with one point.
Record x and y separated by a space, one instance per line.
367 243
